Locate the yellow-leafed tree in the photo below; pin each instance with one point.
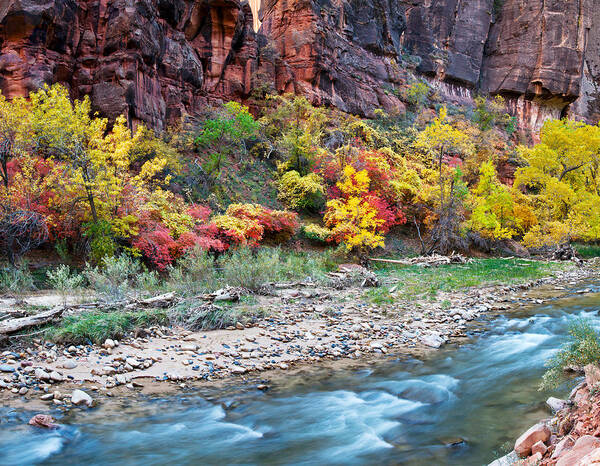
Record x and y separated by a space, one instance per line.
563 181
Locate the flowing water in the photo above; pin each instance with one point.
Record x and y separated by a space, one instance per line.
461 406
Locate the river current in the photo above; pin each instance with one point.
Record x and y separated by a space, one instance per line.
460 406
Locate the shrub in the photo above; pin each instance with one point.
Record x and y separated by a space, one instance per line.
101 241
583 348
305 265
301 192
62 280
416 94
16 279
191 316
316 232
249 224
20 232
116 277
157 246
352 218
149 281
195 273
250 270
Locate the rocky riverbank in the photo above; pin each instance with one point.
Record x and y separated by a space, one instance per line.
571 437
304 326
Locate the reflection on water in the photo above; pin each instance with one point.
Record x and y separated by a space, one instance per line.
459 407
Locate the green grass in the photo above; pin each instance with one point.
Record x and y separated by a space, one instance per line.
95 327
588 251
414 281
379 296
191 316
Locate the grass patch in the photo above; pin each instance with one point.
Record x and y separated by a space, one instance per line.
588 251
95 327
414 281
191 316
379 296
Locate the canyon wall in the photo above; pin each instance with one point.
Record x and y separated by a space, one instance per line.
155 60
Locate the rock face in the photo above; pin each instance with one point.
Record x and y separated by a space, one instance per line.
155 60
151 60
536 54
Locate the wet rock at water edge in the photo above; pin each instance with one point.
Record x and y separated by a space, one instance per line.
43 420
507 460
79 397
433 340
556 404
454 442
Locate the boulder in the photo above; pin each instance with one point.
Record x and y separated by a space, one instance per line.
539 447
590 458
433 340
563 446
43 420
556 404
583 446
109 343
538 433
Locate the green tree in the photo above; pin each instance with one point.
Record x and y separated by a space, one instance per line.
223 134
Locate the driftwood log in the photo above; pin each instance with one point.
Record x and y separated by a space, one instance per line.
14 325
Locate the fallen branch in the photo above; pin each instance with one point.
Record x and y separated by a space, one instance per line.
14 325
162 301
426 261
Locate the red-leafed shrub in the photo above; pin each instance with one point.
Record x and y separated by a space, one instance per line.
199 212
157 246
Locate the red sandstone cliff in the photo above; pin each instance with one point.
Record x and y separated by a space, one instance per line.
157 59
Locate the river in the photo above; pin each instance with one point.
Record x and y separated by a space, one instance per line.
461 406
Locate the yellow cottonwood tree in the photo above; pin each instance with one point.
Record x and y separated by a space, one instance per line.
14 132
562 178
98 161
497 212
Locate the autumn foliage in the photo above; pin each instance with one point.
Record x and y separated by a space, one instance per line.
105 188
